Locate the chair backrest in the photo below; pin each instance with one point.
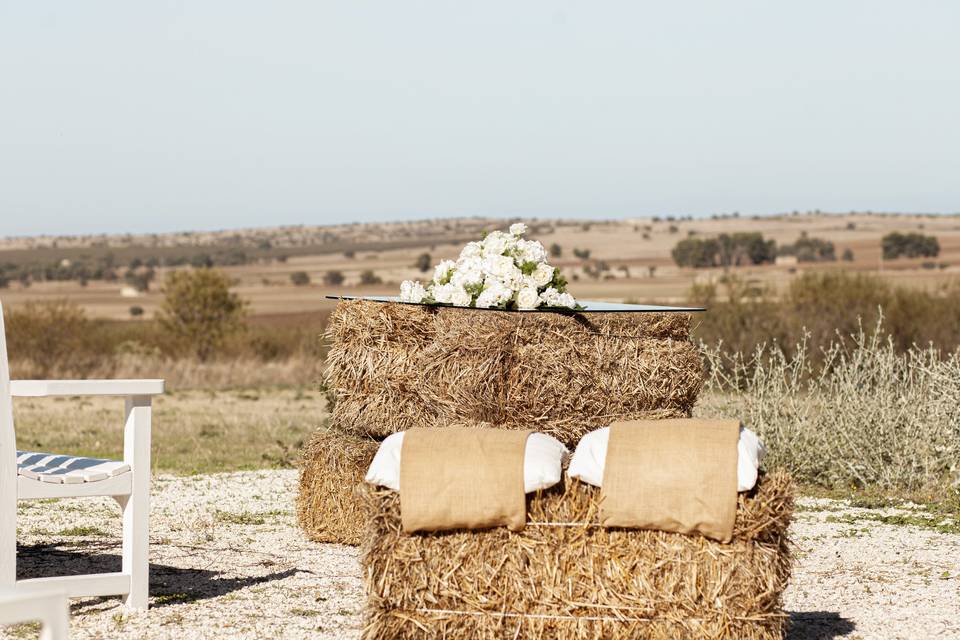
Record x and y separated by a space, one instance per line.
8 440
8 471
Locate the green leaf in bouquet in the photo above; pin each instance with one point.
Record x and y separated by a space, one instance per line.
527 268
559 282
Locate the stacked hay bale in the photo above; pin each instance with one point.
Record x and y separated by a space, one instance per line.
328 505
395 366
564 576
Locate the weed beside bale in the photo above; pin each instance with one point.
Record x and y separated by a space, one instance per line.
564 576
857 415
329 507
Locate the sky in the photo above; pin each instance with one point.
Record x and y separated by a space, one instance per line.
119 116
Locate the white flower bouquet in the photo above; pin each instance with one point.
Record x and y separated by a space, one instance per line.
502 271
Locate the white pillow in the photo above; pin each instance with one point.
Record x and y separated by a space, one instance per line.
591 456
543 460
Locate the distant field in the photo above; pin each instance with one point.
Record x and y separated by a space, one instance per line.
391 250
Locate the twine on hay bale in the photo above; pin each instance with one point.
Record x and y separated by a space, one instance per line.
329 506
565 577
392 367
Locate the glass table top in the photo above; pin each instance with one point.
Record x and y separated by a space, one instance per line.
592 306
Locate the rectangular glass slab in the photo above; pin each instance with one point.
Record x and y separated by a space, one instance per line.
589 306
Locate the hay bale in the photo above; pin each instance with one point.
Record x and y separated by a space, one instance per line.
374 366
570 578
329 505
393 366
569 381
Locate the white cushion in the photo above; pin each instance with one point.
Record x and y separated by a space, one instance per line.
591 455
543 461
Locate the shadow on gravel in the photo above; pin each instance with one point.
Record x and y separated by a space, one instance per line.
818 625
168 585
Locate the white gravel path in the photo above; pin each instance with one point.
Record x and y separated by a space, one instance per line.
228 561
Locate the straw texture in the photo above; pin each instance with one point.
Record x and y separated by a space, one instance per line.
329 506
571 579
393 366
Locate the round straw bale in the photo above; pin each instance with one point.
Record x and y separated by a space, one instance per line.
564 576
329 506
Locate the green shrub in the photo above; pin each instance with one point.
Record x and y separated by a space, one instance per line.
55 336
424 262
821 307
808 249
368 277
911 245
725 250
200 311
333 278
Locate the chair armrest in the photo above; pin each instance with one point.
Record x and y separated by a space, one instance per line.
47 388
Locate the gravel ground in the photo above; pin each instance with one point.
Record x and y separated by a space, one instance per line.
228 561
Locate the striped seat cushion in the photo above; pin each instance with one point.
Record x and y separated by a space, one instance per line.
57 469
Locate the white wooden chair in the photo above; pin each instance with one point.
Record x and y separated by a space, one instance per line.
49 608
27 475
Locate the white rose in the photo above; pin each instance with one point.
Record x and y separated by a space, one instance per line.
443 292
518 229
469 272
485 300
496 243
527 298
471 250
499 266
566 300
543 274
495 293
530 251
441 274
412 291
549 296
460 297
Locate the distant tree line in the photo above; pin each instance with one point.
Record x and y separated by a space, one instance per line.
808 249
738 249
909 245
725 250
137 271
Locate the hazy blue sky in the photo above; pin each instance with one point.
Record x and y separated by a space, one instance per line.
159 115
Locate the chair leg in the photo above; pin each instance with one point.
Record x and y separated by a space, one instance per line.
8 548
56 626
136 506
8 536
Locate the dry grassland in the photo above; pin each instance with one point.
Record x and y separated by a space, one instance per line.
193 431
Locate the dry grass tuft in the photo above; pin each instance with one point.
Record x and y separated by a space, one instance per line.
569 578
392 367
328 505
861 415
